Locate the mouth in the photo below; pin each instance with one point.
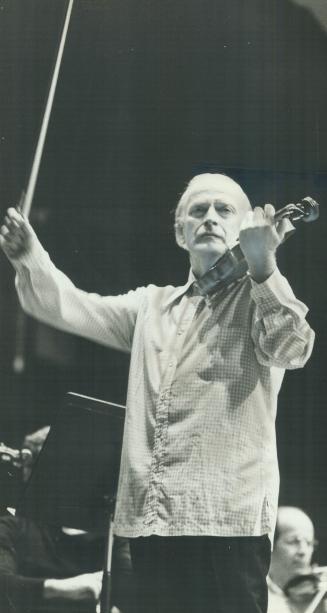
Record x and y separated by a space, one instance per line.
300 564
205 235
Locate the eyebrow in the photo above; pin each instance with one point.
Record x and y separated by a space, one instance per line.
195 199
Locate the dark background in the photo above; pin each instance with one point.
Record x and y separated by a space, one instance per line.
150 93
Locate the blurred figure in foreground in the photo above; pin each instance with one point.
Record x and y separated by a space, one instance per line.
295 585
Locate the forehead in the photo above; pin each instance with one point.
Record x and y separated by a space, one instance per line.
217 187
302 528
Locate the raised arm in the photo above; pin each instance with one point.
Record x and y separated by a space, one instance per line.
47 294
281 334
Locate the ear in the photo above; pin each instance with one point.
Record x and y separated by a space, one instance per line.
179 235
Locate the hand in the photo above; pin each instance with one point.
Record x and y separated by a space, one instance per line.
259 238
79 588
16 234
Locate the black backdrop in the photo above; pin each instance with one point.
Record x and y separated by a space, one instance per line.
151 92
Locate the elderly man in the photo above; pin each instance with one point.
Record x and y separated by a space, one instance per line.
199 477
291 561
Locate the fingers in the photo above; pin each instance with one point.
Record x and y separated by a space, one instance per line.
15 233
259 216
13 222
284 228
269 211
16 219
264 215
247 220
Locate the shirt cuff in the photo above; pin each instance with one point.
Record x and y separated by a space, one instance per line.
274 293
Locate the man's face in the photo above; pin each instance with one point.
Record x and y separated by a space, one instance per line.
294 548
212 215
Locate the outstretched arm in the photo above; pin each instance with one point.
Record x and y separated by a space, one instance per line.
47 294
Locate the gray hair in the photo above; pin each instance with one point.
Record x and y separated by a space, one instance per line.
179 211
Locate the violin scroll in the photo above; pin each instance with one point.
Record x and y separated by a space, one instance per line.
306 210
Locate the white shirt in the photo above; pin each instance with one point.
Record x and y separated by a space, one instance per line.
199 450
277 599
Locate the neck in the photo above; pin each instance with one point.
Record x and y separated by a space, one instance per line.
278 580
201 265
281 578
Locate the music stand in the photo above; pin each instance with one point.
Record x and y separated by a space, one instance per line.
74 479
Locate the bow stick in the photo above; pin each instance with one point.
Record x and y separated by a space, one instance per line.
27 198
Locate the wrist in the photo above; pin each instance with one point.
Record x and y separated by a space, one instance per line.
260 270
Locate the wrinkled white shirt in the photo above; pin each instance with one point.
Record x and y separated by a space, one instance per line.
277 599
199 449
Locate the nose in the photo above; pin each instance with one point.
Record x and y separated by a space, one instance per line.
211 216
303 548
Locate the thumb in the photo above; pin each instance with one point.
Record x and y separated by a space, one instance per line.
285 229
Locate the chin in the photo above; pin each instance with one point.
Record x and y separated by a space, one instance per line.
213 251
300 566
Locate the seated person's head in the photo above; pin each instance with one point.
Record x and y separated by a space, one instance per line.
293 546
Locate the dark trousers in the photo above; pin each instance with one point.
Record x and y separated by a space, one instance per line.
201 574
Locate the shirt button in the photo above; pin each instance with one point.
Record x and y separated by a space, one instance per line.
170 364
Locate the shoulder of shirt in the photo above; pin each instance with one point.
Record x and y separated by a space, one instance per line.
163 295
273 587
166 291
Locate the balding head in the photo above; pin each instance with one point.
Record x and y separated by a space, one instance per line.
294 545
206 181
290 518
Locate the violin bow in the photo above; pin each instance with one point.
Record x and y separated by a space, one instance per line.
316 601
26 199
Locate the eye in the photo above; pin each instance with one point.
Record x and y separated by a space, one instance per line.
198 210
225 210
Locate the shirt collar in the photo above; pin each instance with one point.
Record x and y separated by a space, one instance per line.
274 587
179 291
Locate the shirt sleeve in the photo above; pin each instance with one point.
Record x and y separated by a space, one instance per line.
47 294
280 332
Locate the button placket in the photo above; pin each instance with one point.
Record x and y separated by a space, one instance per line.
162 413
